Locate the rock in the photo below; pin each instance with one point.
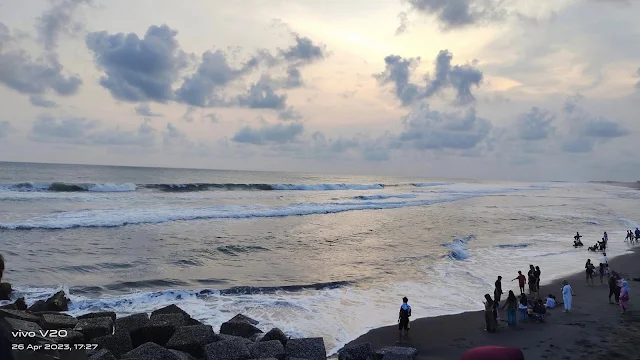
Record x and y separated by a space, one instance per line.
119 343
239 328
132 324
396 353
275 334
267 349
227 350
171 309
37 306
17 324
221 337
191 321
192 339
182 355
102 355
50 322
19 304
5 291
307 348
150 351
244 318
73 337
160 328
357 352
110 314
58 302
17 314
94 327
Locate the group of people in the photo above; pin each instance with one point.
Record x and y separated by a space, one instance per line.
633 237
602 244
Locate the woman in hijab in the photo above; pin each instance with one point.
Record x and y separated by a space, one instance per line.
567 294
624 296
524 304
512 306
489 318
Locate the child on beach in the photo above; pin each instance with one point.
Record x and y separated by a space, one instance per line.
551 301
521 281
403 320
567 294
624 296
512 306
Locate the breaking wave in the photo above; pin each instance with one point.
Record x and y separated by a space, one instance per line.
458 247
64 187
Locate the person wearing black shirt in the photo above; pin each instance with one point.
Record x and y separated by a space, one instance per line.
497 293
614 289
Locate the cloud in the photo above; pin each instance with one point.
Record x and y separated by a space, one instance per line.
39 101
426 129
293 79
172 136
262 96
455 14
214 118
304 51
82 131
268 133
638 75
58 20
5 129
536 124
461 78
404 23
145 110
289 114
138 69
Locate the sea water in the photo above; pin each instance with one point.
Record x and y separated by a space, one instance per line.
315 255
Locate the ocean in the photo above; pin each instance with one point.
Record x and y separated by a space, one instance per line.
315 255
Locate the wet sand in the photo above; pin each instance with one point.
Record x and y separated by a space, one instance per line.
594 329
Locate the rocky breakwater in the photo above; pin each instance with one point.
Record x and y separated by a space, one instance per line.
167 333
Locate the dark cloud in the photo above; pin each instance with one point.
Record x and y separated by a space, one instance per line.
578 146
603 128
304 51
290 114
536 124
293 79
267 133
145 110
454 14
5 129
57 20
461 78
262 95
82 131
426 129
39 101
138 69
404 23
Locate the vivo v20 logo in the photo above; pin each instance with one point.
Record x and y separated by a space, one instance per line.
43 333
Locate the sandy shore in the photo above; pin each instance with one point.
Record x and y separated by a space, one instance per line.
593 330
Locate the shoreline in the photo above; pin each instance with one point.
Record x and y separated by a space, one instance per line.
593 328
632 185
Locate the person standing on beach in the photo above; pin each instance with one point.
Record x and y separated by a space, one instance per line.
497 292
512 307
606 237
629 236
532 279
589 269
601 269
637 234
403 320
567 295
624 296
537 273
489 317
521 281
613 287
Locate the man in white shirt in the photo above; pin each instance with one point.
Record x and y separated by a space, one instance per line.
604 260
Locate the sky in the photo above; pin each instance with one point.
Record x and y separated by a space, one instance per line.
483 89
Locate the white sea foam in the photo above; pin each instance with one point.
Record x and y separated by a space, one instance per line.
321 187
112 187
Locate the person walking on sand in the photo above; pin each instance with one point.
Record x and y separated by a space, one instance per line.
497 292
489 318
521 281
628 236
512 307
589 269
624 296
567 295
613 287
403 320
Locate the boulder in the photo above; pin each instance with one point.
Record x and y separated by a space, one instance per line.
94 327
307 348
51 322
58 302
221 337
192 339
267 349
396 353
227 350
150 351
239 328
275 334
19 304
182 355
18 314
132 324
174 309
39 305
357 352
5 291
118 344
110 314
102 354
73 337
160 328
244 318
17 324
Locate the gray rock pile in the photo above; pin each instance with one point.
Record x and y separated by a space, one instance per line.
167 333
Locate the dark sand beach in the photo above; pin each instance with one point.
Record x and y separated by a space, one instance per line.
594 329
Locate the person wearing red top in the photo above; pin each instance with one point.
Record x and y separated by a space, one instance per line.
521 281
